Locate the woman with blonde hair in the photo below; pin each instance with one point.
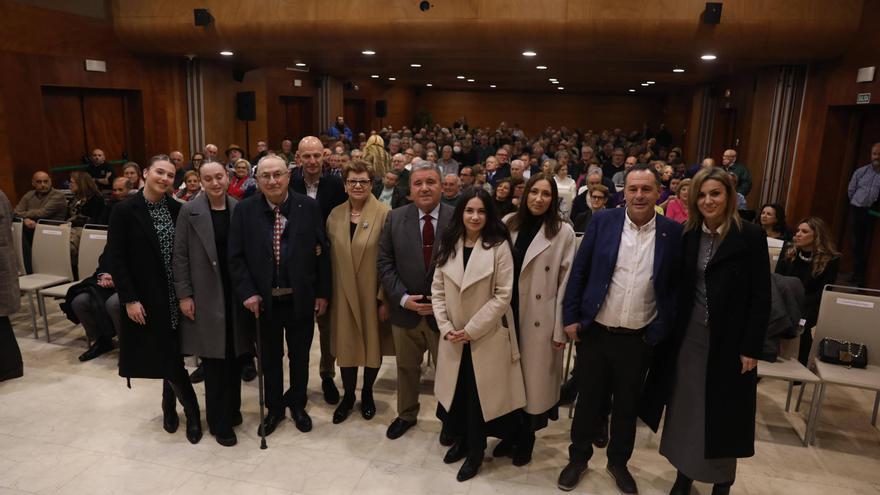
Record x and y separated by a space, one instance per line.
374 154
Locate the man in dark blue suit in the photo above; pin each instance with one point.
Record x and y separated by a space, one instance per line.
618 304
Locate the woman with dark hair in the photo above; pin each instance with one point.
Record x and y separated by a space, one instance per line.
812 258
87 205
478 382
503 197
543 251
140 242
772 220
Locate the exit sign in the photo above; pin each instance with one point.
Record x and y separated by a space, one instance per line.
863 98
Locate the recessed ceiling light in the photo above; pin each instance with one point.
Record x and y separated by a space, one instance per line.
470 80
678 70
226 53
708 56
459 77
529 53
552 79
368 52
392 78
541 67
491 85
375 76
429 85
560 87
416 66
650 82
631 90
645 84
300 64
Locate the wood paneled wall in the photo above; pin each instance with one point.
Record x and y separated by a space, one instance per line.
221 125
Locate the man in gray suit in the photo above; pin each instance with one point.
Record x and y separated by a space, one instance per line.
406 268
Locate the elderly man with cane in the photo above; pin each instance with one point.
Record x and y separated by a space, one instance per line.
281 273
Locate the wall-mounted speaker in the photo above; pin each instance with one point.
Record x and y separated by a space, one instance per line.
246 105
712 14
381 109
202 17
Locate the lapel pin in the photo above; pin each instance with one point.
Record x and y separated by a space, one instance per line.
366 225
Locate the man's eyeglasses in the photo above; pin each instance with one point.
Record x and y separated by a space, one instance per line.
267 176
358 182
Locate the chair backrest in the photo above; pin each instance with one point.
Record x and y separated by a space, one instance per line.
17 241
850 314
91 245
774 253
50 253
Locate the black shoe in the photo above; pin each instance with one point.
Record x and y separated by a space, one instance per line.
682 485
368 406
170 419
624 480
571 475
249 371
270 422
193 429
198 375
331 394
301 419
522 453
98 348
721 489
446 438
601 440
343 410
503 449
455 453
568 392
398 427
227 439
237 419
470 468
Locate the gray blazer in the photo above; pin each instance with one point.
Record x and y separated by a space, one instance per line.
197 275
401 267
10 298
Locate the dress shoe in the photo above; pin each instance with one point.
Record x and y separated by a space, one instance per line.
522 453
227 439
470 468
398 427
331 393
301 419
249 371
601 440
682 485
236 418
343 410
100 346
446 439
503 449
368 406
455 453
571 475
624 480
270 422
198 375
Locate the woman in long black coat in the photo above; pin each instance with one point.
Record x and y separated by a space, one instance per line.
707 377
139 249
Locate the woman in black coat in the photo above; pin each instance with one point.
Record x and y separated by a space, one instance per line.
139 249
707 377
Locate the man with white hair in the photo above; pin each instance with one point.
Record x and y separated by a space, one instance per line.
447 164
451 187
210 153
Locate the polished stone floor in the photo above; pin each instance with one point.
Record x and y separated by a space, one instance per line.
73 428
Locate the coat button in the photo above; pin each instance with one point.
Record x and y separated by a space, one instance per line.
537 323
538 297
546 268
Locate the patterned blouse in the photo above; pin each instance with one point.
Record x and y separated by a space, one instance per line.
164 226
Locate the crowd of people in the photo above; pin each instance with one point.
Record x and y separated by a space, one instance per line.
460 243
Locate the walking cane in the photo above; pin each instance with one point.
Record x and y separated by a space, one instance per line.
567 369
263 445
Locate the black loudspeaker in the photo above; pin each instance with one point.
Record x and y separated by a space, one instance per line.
381 109
202 17
238 75
246 105
712 14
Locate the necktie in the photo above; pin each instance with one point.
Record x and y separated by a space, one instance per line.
276 237
427 240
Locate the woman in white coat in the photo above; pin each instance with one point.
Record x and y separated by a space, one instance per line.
543 250
478 382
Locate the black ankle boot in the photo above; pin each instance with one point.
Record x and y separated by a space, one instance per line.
187 397
170 419
522 453
682 485
721 488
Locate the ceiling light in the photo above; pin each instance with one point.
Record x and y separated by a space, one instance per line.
226 53
368 52
416 66
560 87
300 64
541 67
645 84
529 53
708 56
650 82
392 78
631 90
470 80
375 76
552 79
429 85
679 71
459 77
491 85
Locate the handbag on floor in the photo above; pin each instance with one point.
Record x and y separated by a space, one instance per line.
845 353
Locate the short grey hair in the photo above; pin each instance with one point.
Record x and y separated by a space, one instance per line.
418 165
594 170
268 158
457 180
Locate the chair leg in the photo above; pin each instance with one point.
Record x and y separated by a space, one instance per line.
788 397
876 405
818 398
41 301
33 313
797 407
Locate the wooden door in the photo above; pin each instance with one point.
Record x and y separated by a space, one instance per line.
106 125
724 133
298 117
354 111
65 130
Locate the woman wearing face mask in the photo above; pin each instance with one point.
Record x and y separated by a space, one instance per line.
478 382
708 381
812 258
543 251
140 241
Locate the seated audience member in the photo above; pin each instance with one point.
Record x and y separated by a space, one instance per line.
597 197
503 196
374 155
286 152
192 187
241 183
451 189
466 177
519 187
262 150
676 208
11 365
177 160
132 172
740 198
565 185
743 176
99 169
447 164
666 175
492 173
518 170
706 163
617 179
388 191
87 204
431 156
122 189
233 154
339 130
93 302
41 203
812 258
772 220
210 154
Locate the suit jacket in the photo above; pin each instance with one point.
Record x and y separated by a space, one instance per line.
134 260
400 263
594 267
251 258
197 275
331 192
397 197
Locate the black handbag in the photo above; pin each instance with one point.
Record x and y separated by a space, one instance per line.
851 354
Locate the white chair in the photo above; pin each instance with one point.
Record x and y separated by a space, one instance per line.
51 262
851 315
91 245
18 242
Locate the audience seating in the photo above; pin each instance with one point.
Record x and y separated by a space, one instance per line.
91 245
51 262
18 242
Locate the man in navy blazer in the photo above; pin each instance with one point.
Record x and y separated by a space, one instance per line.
619 303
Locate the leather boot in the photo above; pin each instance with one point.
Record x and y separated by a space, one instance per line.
187 397
170 419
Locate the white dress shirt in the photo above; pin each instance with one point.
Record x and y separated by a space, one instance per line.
631 302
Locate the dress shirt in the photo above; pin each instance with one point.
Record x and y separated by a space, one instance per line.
864 187
435 217
631 302
311 187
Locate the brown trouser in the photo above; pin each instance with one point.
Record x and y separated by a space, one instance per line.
410 345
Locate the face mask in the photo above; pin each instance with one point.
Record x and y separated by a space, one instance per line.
457 149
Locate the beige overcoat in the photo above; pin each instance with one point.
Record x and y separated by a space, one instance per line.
357 337
542 282
477 300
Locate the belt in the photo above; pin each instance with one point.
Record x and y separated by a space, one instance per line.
618 330
282 293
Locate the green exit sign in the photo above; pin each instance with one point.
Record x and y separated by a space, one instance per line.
863 98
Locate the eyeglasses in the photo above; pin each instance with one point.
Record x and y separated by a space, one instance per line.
358 182
598 198
267 176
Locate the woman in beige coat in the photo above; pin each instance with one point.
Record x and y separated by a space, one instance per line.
358 336
543 251
478 382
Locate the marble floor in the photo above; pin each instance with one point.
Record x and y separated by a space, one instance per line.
74 428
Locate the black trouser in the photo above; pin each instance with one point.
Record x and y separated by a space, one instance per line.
862 228
465 422
222 393
613 365
278 325
27 242
10 355
99 319
177 385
